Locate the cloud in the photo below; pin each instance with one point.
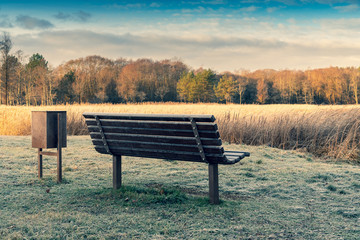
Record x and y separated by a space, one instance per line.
60 45
63 16
5 22
198 9
304 2
214 2
79 16
28 22
82 16
128 6
347 8
249 9
332 2
271 9
155 5
218 53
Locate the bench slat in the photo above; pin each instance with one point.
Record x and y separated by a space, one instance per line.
165 146
157 139
151 117
155 132
181 156
163 154
153 124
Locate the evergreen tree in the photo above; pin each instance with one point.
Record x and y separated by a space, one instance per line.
226 88
250 93
64 91
112 94
203 87
183 86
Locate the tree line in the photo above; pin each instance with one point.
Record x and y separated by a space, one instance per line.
96 79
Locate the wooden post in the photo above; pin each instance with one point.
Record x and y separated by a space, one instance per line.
59 146
116 172
40 163
214 183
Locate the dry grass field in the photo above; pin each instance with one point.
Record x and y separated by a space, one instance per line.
328 131
274 194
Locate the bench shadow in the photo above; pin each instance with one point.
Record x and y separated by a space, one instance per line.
195 192
130 195
148 195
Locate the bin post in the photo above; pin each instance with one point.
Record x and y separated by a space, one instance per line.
59 145
40 163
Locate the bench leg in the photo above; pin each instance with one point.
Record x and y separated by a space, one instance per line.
214 183
116 172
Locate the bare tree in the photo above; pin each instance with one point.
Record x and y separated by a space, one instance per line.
5 47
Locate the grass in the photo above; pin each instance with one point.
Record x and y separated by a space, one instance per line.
325 131
284 196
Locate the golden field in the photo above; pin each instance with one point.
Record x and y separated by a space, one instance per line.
329 130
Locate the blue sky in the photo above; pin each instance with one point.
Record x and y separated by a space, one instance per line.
224 35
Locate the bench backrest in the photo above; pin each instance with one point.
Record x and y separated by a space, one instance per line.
173 137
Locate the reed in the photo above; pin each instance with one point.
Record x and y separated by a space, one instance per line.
330 131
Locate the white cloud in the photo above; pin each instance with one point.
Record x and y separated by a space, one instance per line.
291 21
271 9
155 5
249 9
347 8
78 16
29 22
214 2
5 22
219 53
128 6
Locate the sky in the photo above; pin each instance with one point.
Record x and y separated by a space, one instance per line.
224 35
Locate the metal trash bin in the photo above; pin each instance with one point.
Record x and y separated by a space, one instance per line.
48 130
44 129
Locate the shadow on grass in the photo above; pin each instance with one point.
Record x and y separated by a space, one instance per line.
129 196
136 196
147 196
44 182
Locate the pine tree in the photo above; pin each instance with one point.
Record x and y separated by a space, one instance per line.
226 88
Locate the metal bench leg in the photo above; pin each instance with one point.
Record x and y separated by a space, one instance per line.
214 183
116 172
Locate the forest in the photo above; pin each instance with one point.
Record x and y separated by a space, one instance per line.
95 79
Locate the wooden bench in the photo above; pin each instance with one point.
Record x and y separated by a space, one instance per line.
192 138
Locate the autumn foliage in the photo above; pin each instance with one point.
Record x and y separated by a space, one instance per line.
95 79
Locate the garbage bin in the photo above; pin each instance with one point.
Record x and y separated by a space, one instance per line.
48 130
44 129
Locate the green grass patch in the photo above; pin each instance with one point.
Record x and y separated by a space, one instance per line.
332 188
249 174
342 192
320 178
286 198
